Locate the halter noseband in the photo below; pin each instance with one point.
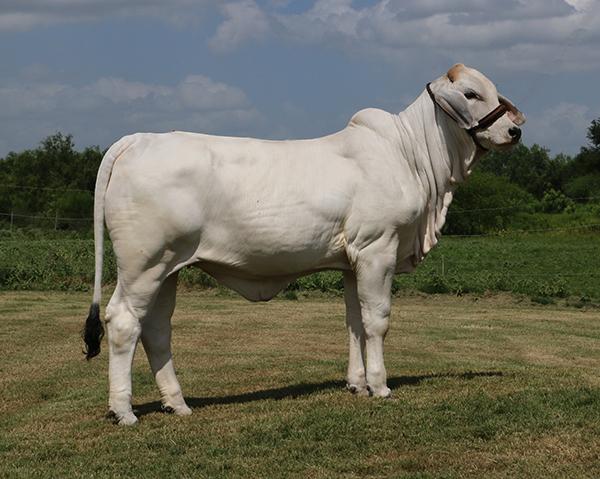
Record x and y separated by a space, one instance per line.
484 123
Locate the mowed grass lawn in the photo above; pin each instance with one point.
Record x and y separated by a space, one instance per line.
487 387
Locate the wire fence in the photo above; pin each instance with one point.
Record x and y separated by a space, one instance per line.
15 220
11 220
42 188
56 222
459 211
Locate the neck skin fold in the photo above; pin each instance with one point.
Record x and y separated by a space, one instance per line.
441 155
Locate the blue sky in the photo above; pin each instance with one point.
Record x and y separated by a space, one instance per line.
283 69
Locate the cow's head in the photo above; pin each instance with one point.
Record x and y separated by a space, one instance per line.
473 101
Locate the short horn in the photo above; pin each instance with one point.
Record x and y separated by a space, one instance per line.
454 72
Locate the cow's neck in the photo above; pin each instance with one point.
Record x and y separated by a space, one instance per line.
441 154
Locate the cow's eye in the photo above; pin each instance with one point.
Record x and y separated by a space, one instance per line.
470 95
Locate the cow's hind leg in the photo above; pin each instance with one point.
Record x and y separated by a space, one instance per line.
129 305
156 338
123 327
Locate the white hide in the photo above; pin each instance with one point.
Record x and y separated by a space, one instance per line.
369 200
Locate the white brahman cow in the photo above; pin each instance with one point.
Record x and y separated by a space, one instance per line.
369 200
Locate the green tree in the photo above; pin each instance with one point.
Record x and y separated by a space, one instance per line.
486 203
582 175
37 182
530 168
593 134
585 186
556 202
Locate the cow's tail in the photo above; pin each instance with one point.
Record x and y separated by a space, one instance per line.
93 331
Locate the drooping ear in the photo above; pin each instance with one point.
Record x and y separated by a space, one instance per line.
452 101
513 113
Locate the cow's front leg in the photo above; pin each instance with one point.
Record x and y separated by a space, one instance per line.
356 379
374 283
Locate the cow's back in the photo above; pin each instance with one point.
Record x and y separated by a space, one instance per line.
258 206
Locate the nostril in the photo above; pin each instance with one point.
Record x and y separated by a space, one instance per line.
514 132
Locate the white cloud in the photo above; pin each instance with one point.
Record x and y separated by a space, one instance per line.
581 5
201 93
27 14
110 107
193 93
518 34
117 90
22 21
244 21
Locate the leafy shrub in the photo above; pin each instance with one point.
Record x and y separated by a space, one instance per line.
544 300
195 277
487 203
435 284
326 282
290 295
535 265
76 205
556 287
556 202
586 186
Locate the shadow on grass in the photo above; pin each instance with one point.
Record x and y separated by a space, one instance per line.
298 390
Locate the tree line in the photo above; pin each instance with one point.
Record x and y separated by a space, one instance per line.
509 189
524 187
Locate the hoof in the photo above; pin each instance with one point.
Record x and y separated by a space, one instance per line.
112 417
183 411
127 419
167 409
357 390
178 411
382 392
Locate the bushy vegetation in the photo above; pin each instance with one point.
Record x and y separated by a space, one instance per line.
486 203
534 265
51 180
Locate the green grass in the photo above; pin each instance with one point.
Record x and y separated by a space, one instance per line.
485 387
540 266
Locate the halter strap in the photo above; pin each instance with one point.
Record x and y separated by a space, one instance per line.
484 123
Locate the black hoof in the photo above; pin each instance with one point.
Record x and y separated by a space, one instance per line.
167 409
112 417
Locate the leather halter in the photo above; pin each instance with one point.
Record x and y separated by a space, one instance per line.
484 123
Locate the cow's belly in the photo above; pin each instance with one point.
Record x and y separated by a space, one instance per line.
259 269
251 288
279 250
